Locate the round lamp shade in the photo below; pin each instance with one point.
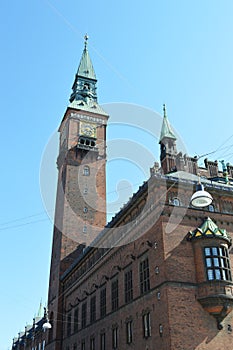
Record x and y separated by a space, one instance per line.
47 325
201 199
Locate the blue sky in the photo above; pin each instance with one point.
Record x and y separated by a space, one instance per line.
147 53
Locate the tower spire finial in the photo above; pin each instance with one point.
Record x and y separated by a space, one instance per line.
86 37
164 110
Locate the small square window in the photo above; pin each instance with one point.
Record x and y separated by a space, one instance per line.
207 251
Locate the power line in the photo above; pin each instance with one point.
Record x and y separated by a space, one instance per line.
23 218
25 224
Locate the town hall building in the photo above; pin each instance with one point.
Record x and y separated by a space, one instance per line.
159 274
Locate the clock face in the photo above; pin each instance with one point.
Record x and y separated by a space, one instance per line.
88 129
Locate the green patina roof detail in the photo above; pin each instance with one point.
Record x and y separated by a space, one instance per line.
89 106
86 68
40 312
166 130
209 230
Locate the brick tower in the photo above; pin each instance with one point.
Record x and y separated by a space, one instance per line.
81 190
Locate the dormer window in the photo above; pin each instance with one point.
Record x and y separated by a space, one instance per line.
217 263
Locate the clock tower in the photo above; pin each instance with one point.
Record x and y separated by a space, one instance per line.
81 190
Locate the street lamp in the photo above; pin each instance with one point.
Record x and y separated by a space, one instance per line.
201 198
47 324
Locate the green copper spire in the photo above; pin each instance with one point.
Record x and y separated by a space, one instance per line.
86 68
84 87
166 130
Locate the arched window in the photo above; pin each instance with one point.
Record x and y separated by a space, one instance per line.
86 170
176 202
211 208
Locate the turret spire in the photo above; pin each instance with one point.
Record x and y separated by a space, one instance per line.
166 130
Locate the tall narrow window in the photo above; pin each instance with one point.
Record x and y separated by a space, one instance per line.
84 315
83 345
86 170
68 324
92 343
115 337
103 302
129 332
102 341
115 299
146 325
144 276
76 320
217 263
128 286
93 309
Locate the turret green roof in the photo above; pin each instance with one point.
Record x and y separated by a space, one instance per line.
166 130
209 230
86 68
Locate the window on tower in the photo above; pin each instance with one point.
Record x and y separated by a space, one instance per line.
86 170
217 263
